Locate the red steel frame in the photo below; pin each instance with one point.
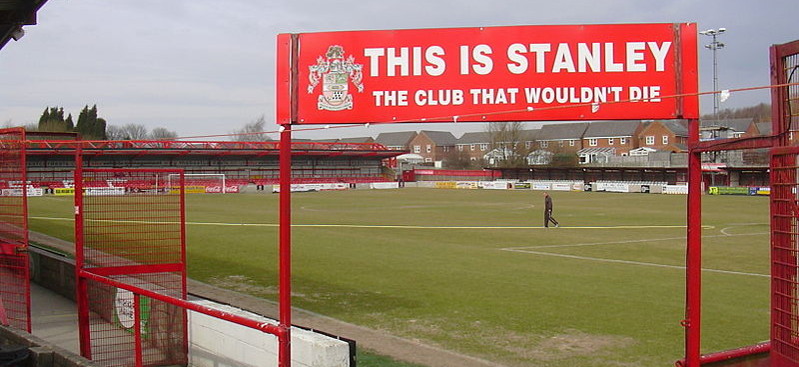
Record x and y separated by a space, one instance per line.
135 269
688 108
784 343
785 208
137 239
15 305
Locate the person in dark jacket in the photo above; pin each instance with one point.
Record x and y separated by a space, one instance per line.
548 211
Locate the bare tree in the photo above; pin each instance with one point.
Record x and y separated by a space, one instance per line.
114 132
509 143
252 131
134 132
161 133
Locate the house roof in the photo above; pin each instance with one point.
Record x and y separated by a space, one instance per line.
474 138
363 139
764 128
570 131
611 129
738 125
441 138
677 127
597 150
531 134
401 138
485 137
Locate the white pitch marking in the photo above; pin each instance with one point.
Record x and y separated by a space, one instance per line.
630 262
369 226
637 241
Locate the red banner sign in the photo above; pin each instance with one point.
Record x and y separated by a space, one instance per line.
523 73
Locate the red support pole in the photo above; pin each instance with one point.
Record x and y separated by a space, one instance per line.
139 359
81 289
693 259
284 352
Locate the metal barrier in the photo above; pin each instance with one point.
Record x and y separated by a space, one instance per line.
14 264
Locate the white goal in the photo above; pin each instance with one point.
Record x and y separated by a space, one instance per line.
213 182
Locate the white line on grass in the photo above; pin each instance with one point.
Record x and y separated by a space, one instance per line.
366 225
630 262
637 241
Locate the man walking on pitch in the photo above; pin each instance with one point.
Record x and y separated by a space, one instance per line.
548 211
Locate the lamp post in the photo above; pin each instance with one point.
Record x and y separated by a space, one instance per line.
715 45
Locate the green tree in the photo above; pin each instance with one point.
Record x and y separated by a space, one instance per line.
89 125
52 120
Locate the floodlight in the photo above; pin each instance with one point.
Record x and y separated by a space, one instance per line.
17 34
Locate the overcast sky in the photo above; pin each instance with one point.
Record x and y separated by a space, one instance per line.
203 67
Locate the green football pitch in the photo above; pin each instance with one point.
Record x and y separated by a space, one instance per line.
473 271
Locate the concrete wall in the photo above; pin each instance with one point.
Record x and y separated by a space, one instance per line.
42 353
216 343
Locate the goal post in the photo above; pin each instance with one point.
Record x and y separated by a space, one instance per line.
210 181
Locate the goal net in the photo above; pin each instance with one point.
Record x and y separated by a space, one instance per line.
214 183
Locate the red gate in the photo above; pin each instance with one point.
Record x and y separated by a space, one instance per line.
14 265
130 256
785 208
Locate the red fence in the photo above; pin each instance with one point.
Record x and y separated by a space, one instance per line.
14 283
135 239
785 209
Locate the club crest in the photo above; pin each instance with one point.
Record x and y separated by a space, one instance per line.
336 73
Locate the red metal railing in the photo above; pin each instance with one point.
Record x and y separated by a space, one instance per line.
785 209
14 264
131 270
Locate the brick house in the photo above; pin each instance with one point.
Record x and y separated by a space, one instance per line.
562 138
664 135
727 128
609 138
396 141
474 145
433 146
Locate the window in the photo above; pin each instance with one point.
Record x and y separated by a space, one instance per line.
428 160
611 141
417 148
591 142
472 146
571 143
544 144
460 148
560 143
528 144
446 148
483 147
650 140
622 141
665 139
429 148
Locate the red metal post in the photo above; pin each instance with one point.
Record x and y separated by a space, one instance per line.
82 293
25 233
284 353
693 258
139 360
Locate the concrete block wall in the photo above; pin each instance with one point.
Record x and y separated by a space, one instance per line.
218 343
43 353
